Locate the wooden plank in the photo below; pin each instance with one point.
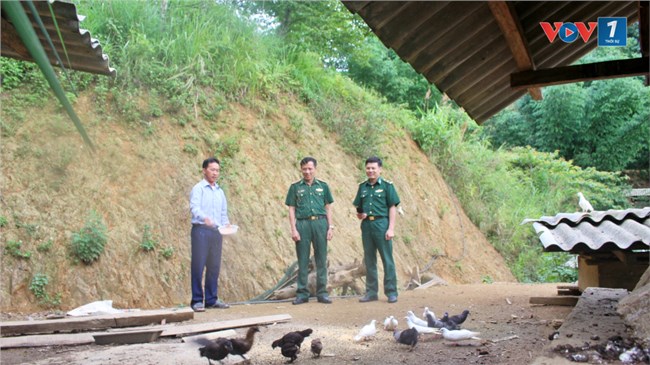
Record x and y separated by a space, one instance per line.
508 21
179 331
63 339
575 291
570 286
127 337
177 315
585 72
355 6
127 319
563 300
210 336
168 331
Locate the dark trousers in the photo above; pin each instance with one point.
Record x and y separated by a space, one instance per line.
312 231
373 234
206 253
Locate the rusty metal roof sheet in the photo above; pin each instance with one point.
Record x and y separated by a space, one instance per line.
85 52
599 231
459 47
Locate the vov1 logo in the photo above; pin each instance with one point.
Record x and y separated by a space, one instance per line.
612 31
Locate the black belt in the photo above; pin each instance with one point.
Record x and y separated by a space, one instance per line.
313 217
373 217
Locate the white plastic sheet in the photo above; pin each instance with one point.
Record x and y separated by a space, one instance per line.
95 308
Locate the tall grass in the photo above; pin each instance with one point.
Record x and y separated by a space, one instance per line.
194 50
499 189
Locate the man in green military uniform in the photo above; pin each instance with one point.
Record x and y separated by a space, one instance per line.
310 218
376 203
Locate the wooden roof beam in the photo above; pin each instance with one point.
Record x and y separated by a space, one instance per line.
506 17
578 73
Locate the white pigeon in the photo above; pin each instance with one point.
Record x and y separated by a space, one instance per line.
367 332
459 335
421 329
417 321
426 310
390 323
584 204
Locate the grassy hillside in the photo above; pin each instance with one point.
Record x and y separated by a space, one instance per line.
194 80
51 183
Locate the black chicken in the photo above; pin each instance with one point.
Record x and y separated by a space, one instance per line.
290 343
443 322
290 350
459 318
448 323
407 337
240 346
215 350
316 347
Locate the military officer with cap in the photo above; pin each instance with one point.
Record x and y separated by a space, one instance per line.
310 219
376 203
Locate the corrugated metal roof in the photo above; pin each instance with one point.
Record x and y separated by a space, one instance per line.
600 231
85 53
459 47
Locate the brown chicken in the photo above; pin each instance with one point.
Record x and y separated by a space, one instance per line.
240 346
316 347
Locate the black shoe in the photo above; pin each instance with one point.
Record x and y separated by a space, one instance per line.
299 300
368 298
324 299
392 299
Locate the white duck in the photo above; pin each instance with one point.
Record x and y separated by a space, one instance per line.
367 332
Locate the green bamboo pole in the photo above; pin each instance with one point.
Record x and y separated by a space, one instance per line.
18 17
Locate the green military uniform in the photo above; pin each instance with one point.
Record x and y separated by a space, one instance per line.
375 201
311 223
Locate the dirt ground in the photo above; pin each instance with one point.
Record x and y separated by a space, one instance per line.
498 311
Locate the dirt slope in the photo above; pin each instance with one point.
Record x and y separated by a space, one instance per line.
142 174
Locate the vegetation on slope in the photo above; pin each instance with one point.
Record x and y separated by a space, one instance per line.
190 59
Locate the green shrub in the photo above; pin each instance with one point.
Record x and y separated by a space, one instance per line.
45 246
13 248
38 284
167 252
191 149
37 287
12 73
3 221
88 243
148 243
